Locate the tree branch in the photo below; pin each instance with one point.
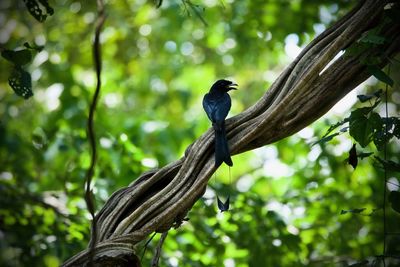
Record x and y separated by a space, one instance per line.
160 199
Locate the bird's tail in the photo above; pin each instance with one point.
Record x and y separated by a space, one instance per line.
221 147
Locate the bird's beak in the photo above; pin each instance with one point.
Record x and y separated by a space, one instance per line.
233 86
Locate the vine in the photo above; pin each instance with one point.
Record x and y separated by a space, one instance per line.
366 126
89 196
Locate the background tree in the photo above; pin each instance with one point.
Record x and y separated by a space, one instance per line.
298 216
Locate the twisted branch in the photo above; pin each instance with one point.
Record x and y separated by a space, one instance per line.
160 199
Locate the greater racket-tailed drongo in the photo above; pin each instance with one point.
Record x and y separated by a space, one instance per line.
217 104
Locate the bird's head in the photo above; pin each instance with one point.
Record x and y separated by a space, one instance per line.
224 85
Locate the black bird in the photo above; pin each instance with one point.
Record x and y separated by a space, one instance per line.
217 104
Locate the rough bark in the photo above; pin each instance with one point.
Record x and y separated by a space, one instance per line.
306 89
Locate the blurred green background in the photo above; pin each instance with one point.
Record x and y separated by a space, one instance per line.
286 198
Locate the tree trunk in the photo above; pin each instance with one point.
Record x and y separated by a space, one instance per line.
307 89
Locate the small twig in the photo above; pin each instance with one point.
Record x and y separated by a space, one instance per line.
146 244
188 4
391 183
156 258
385 175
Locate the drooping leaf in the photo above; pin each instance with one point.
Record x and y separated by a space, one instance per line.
325 139
381 138
375 120
360 112
360 129
223 206
49 9
21 82
380 75
353 160
396 124
356 211
389 123
37 48
364 124
386 129
20 57
394 199
360 132
333 127
365 98
39 9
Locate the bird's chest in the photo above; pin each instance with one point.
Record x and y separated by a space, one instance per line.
217 106
215 101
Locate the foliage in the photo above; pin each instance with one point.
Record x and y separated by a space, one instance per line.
291 198
19 79
365 125
39 9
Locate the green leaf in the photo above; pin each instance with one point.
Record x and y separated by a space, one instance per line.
325 139
394 199
386 132
364 125
20 57
365 98
21 82
333 127
49 9
375 120
39 9
396 130
37 48
380 75
381 138
356 211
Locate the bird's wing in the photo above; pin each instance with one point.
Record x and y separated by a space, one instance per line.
209 106
222 108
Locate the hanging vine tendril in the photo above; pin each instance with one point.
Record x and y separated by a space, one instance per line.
385 171
89 197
